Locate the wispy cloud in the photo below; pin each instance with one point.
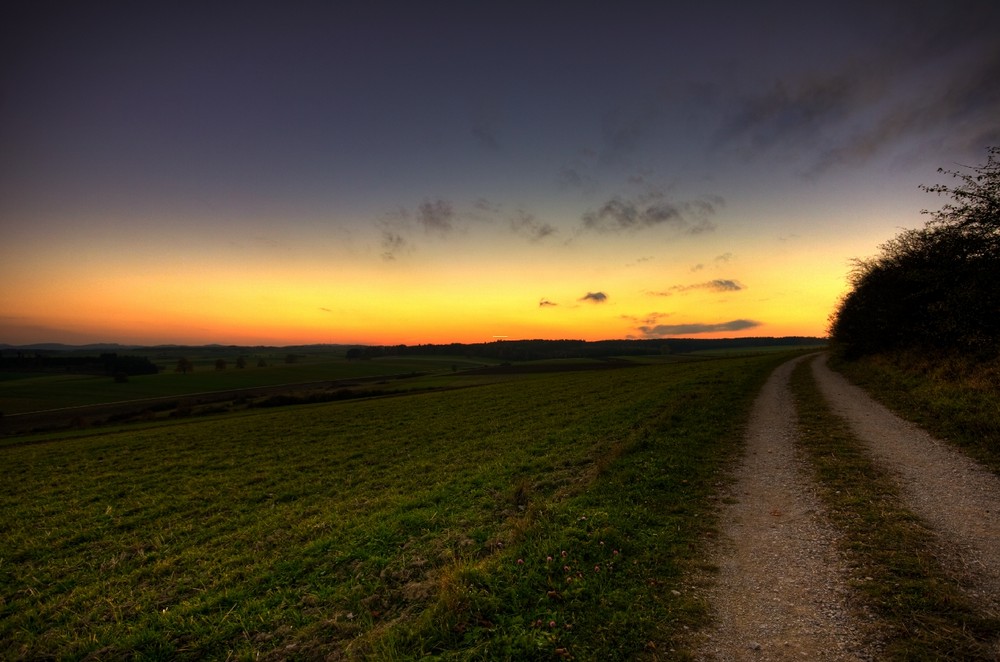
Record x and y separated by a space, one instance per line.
594 297
717 285
527 224
663 330
622 214
545 303
484 206
922 86
436 216
393 244
393 228
648 320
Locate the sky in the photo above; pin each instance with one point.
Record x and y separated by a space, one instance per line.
426 172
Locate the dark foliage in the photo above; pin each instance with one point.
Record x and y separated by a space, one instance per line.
534 350
936 288
109 363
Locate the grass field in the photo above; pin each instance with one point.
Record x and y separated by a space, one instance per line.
542 516
24 393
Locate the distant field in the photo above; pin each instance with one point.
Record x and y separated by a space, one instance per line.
420 525
36 392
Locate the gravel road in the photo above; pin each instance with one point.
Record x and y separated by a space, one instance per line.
781 591
957 497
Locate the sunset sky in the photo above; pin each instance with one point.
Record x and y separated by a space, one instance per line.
414 172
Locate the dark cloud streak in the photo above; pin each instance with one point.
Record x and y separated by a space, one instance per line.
932 80
717 285
662 330
620 214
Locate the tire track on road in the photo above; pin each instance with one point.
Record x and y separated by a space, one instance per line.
781 592
956 496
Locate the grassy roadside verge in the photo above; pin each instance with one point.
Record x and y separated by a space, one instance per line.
954 398
411 527
895 570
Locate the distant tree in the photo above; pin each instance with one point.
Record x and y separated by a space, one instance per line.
241 362
291 358
937 287
261 363
184 366
220 364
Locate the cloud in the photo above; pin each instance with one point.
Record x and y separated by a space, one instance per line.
578 173
725 257
724 285
325 310
929 85
640 260
595 297
570 178
527 224
717 285
436 216
627 128
649 320
649 210
393 244
543 303
485 206
661 330
786 113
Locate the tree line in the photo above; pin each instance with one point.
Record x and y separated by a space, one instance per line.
108 363
935 288
534 350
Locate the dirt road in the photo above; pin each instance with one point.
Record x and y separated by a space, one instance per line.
781 592
956 496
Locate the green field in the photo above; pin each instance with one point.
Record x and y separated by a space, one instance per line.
394 528
26 392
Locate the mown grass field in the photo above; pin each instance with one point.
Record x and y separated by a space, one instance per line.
544 515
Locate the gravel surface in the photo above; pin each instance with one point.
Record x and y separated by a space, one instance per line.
781 592
953 494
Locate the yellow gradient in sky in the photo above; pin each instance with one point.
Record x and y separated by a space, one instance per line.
314 287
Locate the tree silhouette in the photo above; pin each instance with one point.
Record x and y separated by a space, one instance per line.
937 287
184 366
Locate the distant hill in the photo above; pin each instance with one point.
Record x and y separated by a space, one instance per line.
531 350
511 350
60 347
